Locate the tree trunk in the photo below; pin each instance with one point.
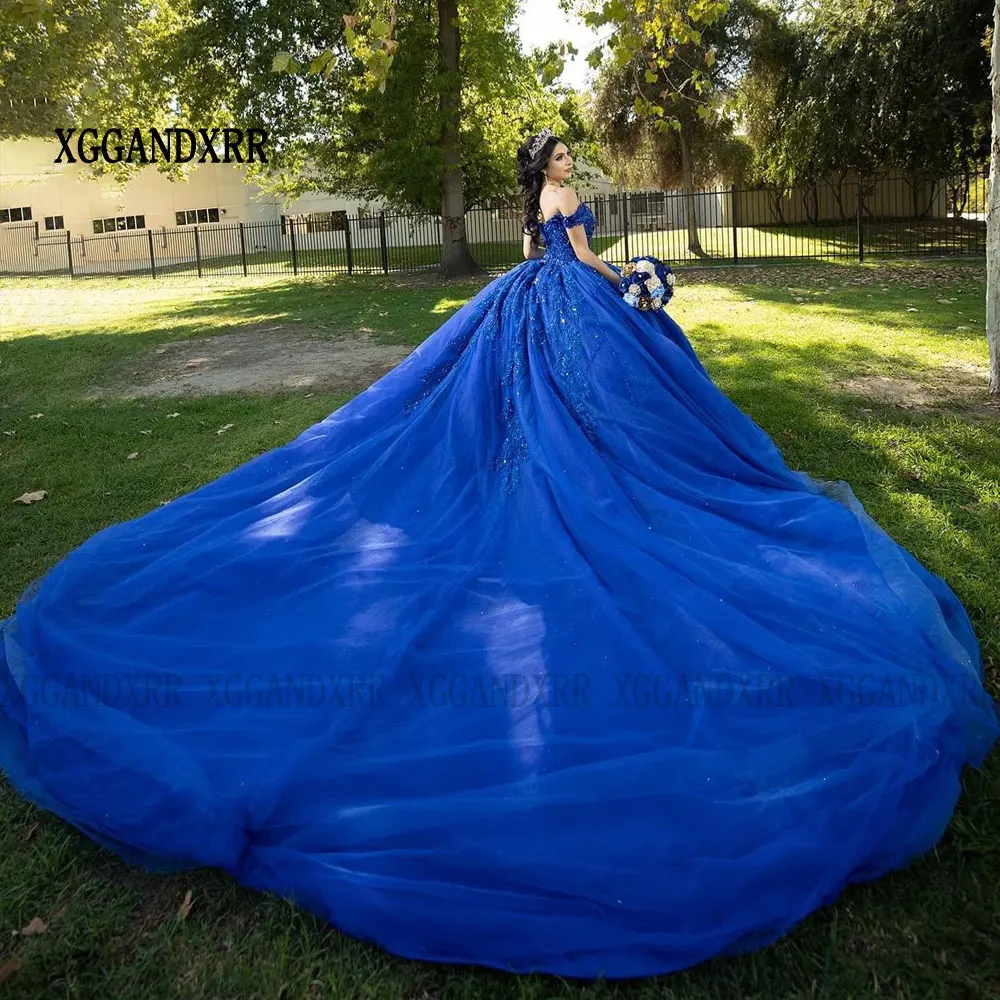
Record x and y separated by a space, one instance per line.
993 219
810 203
838 194
456 259
776 200
690 205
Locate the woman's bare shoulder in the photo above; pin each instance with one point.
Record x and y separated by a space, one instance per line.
567 200
564 200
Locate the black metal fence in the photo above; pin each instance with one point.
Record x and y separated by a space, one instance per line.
888 216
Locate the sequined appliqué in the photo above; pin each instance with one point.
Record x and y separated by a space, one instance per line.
558 248
514 449
437 373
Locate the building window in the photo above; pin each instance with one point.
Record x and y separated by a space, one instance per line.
54 222
15 215
326 222
319 222
196 216
119 222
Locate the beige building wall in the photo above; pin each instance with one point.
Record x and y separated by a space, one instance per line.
144 232
29 176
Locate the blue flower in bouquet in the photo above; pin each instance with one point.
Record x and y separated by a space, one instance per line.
646 283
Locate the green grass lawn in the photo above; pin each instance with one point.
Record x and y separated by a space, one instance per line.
874 375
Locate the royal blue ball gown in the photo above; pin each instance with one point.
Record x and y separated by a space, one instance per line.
534 655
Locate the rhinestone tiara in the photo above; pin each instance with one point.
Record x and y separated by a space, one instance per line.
539 141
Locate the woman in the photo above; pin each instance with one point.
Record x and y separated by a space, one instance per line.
535 654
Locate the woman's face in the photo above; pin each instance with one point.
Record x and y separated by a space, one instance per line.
560 165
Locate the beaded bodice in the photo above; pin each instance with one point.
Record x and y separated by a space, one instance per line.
553 231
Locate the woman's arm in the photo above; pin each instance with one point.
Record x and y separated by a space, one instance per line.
568 203
531 251
578 240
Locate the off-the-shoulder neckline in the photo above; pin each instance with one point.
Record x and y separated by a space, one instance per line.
559 211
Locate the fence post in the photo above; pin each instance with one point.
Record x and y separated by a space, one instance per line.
349 246
197 250
295 255
628 256
243 249
383 243
152 259
733 212
69 254
861 224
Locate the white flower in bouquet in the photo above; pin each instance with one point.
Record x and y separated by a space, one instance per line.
646 284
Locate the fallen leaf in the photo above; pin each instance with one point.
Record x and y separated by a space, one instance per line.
134 454
912 310
224 428
10 434
962 328
185 907
31 831
32 497
35 416
35 926
170 416
145 432
9 968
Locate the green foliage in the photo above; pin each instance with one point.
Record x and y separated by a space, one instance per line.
371 133
869 85
660 38
645 136
74 61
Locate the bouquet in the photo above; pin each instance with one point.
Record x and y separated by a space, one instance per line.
647 283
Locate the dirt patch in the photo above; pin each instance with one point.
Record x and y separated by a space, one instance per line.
259 359
963 388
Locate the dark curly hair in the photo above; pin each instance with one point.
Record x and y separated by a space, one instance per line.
530 178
